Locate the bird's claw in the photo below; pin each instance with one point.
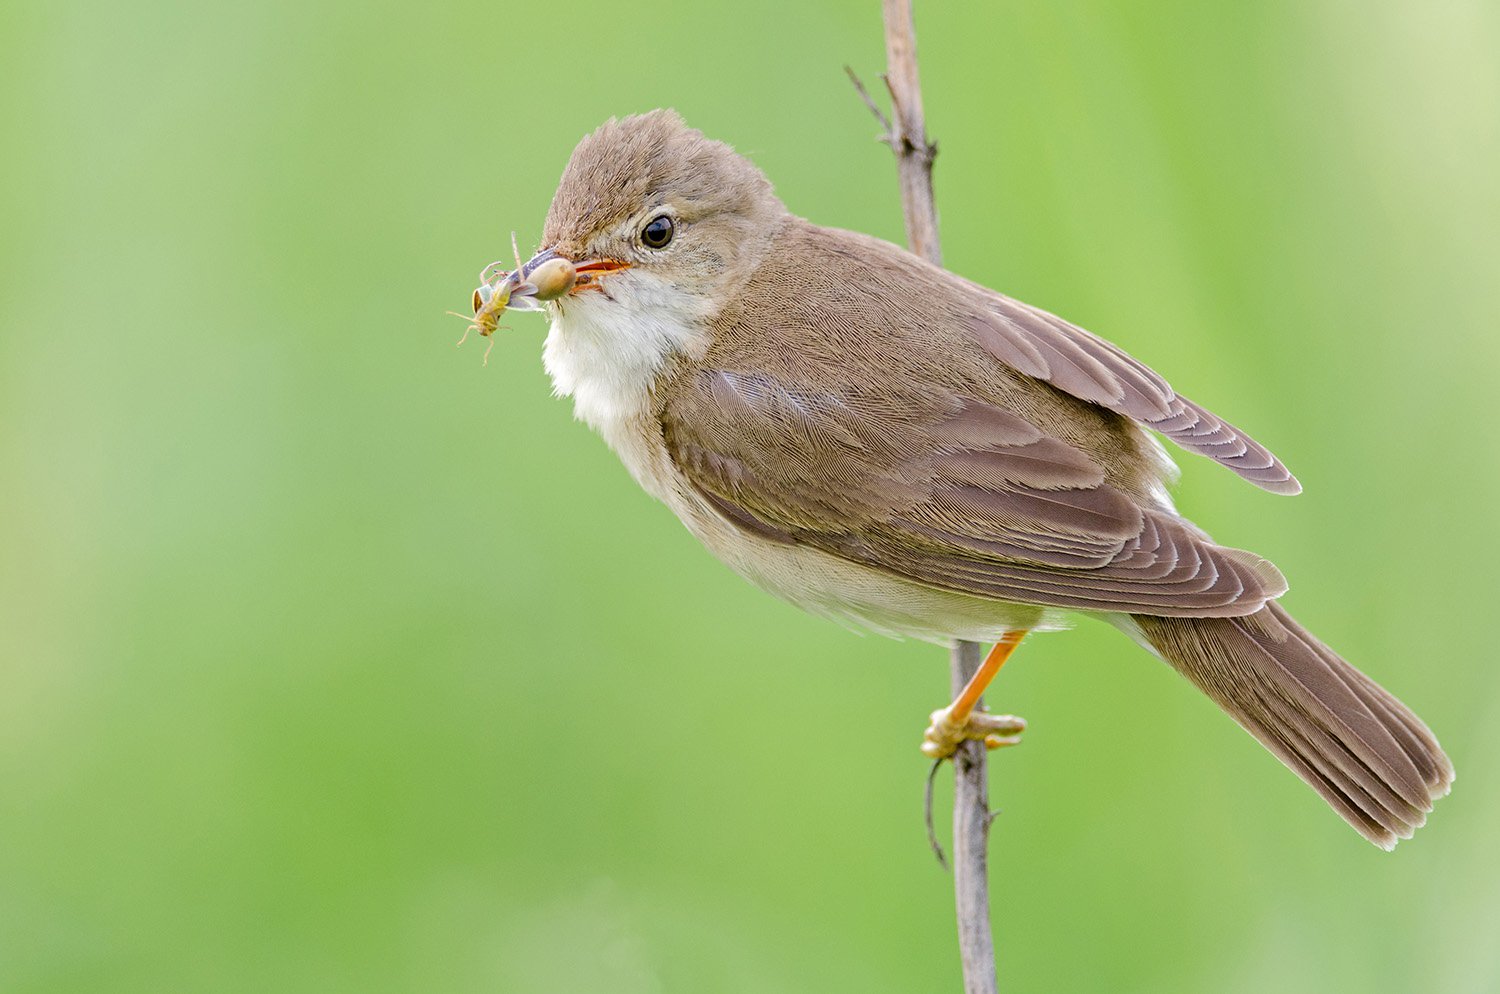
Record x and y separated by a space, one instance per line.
947 731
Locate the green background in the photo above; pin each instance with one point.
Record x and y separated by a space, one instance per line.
331 660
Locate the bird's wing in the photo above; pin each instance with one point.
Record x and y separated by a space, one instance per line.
944 489
1050 349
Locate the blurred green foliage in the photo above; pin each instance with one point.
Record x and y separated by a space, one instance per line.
331 660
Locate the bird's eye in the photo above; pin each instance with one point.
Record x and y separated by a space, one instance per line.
658 232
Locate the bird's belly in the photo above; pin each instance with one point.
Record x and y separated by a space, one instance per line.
851 594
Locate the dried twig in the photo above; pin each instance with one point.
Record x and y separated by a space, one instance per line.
914 154
886 134
906 133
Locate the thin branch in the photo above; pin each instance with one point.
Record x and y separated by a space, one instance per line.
932 839
971 829
906 133
914 154
864 94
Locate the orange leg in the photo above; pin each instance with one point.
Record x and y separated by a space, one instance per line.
958 722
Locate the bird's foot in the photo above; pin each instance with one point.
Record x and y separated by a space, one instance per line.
950 729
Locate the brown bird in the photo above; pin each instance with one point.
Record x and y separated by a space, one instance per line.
882 442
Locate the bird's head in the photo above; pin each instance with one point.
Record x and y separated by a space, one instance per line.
649 212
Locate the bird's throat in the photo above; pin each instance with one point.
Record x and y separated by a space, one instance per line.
606 349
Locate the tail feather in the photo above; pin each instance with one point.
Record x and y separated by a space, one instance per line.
1370 758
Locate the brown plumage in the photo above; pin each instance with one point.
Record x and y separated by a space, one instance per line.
880 440
942 475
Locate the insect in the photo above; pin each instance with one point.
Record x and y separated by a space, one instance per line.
490 300
499 289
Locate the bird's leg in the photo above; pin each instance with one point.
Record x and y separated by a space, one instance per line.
959 722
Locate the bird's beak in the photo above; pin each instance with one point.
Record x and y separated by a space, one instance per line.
551 275
590 271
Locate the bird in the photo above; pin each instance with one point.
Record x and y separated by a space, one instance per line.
882 442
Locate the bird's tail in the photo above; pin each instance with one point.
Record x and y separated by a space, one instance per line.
1363 750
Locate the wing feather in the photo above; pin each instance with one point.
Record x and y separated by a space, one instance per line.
956 493
1050 349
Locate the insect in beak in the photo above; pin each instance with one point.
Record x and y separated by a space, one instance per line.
497 290
490 301
547 276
